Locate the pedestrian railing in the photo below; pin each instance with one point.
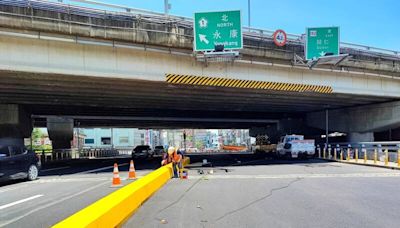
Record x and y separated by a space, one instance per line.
377 153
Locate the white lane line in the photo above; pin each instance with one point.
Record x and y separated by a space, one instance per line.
81 179
12 188
99 169
290 176
19 201
52 204
46 170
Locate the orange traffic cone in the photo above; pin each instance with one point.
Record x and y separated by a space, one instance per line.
116 182
132 172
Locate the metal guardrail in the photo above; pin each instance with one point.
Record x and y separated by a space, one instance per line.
133 14
377 151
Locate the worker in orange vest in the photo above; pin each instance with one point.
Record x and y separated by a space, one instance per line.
173 157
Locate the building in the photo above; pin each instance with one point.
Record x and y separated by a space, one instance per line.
119 138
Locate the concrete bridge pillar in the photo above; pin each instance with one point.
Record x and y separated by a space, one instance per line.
61 131
15 124
360 137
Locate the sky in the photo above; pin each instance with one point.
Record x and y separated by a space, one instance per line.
373 23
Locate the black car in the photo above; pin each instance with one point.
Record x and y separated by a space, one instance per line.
158 150
18 163
142 151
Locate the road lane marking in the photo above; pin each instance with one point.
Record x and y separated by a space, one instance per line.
99 169
5 223
13 188
46 170
19 201
290 176
82 179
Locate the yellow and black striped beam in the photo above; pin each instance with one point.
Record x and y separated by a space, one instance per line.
248 84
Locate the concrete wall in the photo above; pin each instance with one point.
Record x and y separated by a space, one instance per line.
33 55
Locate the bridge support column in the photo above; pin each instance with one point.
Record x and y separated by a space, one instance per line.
60 131
15 124
360 137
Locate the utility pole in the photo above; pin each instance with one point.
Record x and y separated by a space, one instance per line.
327 126
112 138
167 7
248 12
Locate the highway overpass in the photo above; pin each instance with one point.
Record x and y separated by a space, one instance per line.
63 66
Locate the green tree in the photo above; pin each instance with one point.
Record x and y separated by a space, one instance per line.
36 135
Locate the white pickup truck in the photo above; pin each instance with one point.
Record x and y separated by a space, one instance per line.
295 146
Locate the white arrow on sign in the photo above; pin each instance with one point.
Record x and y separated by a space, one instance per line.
203 38
322 53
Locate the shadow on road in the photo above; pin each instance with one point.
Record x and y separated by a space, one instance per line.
93 166
97 166
247 160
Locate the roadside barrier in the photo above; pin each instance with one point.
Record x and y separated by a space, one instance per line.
383 154
386 157
116 181
398 157
348 154
113 210
335 153
186 161
132 171
356 154
365 155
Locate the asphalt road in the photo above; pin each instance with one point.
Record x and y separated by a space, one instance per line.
239 192
61 190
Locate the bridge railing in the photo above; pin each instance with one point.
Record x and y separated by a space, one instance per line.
132 15
386 152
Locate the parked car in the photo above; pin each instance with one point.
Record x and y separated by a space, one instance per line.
142 151
158 151
16 162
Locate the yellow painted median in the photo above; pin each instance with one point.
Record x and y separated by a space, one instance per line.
114 209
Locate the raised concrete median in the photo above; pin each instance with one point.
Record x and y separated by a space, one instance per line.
114 209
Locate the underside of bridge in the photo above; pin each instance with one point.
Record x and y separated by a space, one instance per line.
95 70
97 101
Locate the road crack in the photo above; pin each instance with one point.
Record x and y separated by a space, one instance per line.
259 199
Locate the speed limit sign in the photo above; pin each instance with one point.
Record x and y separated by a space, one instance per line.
280 37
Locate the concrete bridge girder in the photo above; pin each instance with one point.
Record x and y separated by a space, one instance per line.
363 119
114 62
60 131
15 124
148 30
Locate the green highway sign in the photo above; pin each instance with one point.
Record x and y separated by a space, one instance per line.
320 41
217 28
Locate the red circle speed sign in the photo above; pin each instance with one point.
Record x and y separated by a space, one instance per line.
280 37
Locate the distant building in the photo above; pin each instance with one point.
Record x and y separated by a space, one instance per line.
119 138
